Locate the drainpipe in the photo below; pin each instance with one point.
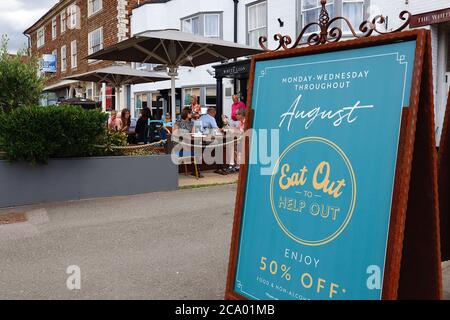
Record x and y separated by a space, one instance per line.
236 2
29 44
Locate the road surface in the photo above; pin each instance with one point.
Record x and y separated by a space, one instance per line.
155 246
170 245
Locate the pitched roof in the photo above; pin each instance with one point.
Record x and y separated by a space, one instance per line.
56 7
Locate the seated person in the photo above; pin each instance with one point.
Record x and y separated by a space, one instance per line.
125 126
185 124
168 120
209 120
114 123
240 116
142 129
124 121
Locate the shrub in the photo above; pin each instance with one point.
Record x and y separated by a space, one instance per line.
108 140
20 84
35 134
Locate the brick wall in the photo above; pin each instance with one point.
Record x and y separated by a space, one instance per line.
108 18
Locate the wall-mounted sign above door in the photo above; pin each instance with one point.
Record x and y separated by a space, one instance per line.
428 18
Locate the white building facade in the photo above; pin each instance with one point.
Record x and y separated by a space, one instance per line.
245 21
437 14
204 17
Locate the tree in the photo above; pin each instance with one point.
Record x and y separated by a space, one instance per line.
20 83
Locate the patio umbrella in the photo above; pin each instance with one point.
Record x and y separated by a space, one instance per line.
119 76
173 48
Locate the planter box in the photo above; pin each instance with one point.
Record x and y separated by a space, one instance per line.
85 178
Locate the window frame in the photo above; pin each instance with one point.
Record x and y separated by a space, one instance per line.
338 11
90 12
55 53
190 18
144 66
137 109
73 14
90 34
317 7
206 96
247 27
191 89
64 58
54 28
63 21
355 25
40 35
74 62
201 16
218 25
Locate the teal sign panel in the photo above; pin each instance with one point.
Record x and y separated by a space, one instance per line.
315 220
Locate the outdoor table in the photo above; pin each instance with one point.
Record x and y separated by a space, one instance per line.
209 145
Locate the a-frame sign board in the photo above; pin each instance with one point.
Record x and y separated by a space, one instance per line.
348 208
444 184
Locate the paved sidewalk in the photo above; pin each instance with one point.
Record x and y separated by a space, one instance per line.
446 279
210 179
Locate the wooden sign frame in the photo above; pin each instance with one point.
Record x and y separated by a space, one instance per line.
413 265
444 184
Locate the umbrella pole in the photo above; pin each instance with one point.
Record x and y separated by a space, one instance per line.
115 98
173 97
104 97
116 107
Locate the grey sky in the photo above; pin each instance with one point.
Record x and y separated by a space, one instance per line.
17 15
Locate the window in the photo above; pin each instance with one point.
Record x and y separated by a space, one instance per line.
191 25
144 66
94 6
353 11
95 40
89 93
211 96
188 92
256 23
141 101
41 37
63 21
157 105
55 54
97 92
73 16
203 24
310 12
73 54
212 25
54 30
63 58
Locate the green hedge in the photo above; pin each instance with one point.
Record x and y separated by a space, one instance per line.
36 134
